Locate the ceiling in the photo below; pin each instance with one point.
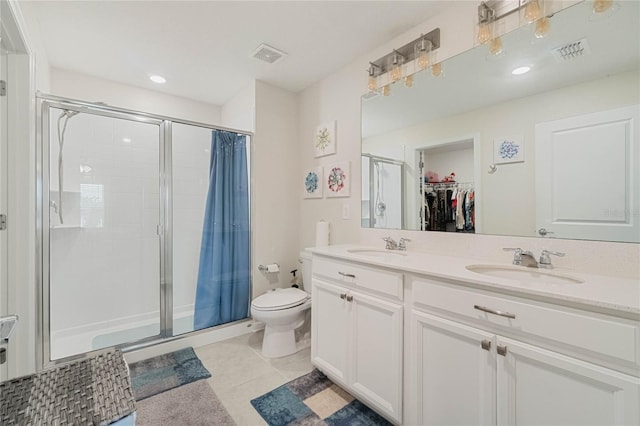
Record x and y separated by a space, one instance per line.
203 48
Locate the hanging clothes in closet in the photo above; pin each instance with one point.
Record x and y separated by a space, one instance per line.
448 207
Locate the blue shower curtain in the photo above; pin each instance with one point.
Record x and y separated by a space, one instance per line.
222 293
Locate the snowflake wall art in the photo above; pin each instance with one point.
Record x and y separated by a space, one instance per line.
325 139
508 150
312 183
337 179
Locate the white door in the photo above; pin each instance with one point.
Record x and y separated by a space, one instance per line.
376 352
453 371
588 176
539 387
329 329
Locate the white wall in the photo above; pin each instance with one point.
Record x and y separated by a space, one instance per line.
337 97
275 187
92 89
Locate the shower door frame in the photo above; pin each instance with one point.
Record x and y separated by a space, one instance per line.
377 159
165 229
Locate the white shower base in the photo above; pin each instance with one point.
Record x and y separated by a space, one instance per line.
87 338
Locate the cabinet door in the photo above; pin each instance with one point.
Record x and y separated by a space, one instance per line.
376 352
539 387
329 329
451 375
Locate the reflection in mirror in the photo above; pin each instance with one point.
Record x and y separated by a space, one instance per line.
555 151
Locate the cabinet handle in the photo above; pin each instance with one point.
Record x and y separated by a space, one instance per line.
486 344
495 312
344 274
349 298
343 296
502 350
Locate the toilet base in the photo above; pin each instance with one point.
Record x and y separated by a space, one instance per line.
276 343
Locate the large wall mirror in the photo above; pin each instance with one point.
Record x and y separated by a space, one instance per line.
553 152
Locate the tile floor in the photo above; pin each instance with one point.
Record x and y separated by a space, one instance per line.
240 373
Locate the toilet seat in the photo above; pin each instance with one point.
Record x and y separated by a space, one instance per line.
280 299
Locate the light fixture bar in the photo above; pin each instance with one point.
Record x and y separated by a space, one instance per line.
492 10
407 51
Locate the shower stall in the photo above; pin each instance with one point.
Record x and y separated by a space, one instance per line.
382 192
122 198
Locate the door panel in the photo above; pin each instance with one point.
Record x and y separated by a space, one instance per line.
329 320
376 342
455 376
538 387
587 174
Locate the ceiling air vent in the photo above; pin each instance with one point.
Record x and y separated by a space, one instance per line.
370 95
268 54
571 50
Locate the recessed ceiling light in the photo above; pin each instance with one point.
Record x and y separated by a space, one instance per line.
521 70
126 140
158 79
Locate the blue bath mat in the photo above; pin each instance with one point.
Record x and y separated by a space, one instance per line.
155 375
313 399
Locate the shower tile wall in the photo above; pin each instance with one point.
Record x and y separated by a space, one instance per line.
104 260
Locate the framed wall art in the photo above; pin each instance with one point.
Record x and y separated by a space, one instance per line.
325 139
337 179
508 150
312 183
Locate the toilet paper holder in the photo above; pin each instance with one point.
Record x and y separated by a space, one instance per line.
272 267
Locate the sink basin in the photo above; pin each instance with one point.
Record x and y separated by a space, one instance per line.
375 252
523 274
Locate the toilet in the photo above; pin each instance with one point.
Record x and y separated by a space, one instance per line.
282 311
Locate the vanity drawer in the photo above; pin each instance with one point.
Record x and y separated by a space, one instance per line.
360 276
603 335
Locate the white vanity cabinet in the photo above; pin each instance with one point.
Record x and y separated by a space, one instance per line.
357 331
528 362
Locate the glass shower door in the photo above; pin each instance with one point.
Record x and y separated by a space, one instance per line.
103 192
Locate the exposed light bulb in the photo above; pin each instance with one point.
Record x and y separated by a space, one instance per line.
601 6
532 11
386 90
423 50
408 81
373 83
157 79
495 47
484 32
543 26
423 60
436 69
396 70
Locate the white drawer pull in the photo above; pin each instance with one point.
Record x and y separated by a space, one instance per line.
344 274
495 312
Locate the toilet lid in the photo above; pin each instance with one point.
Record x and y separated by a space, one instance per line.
280 299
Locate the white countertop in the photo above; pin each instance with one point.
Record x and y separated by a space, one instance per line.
620 295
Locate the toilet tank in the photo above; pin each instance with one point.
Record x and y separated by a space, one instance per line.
305 260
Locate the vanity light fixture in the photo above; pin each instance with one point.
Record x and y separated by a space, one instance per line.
395 63
373 77
491 11
403 62
157 79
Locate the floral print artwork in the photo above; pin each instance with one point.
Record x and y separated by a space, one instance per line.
325 139
508 150
312 180
337 179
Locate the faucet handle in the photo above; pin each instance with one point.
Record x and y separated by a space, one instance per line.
517 255
391 244
544 257
402 244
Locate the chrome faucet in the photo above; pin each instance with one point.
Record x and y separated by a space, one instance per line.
523 257
545 260
402 244
391 243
